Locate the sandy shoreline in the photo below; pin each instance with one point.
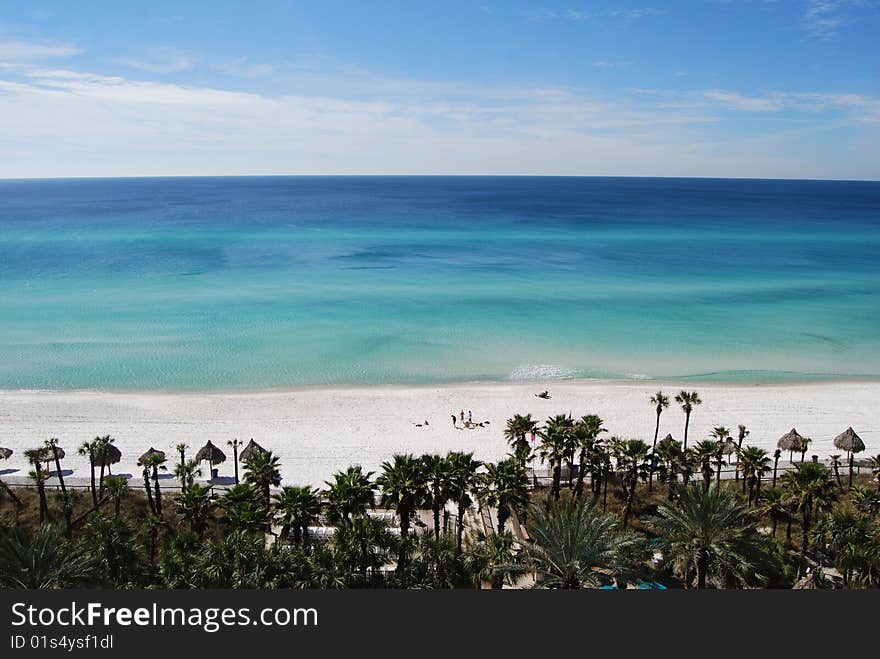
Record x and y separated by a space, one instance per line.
318 430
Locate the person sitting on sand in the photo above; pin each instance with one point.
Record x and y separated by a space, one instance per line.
544 394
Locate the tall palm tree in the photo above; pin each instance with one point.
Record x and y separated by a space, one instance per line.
776 455
743 432
835 469
181 451
66 499
235 443
35 457
88 449
575 545
403 486
754 463
671 458
349 495
688 400
187 472
117 489
193 505
462 477
632 465
515 433
154 463
556 442
505 487
262 470
805 444
436 472
710 535
721 435
705 452
101 444
810 485
585 433
660 402
296 508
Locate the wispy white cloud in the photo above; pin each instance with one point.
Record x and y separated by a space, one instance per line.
158 60
823 19
26 51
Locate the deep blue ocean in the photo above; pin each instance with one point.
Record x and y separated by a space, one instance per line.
216 283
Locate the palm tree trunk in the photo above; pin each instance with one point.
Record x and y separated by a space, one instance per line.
702 568
235 459
580 480
149 490
805 542
850 457
459 531
436 510
604 494
687 420
92 468
158 491
653 450
789 517
557 480
629 502
773 523
775 464
12 495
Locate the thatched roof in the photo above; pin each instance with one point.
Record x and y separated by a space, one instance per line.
791 441
5 453
849 441
668 438
149 454
46 453
729 447
250 450
210 453
107 455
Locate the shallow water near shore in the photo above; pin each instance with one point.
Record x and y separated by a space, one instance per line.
250 283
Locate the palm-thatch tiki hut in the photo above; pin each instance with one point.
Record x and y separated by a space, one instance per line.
212 455
147 457
850 442
791 441
5 453
108 455
251 450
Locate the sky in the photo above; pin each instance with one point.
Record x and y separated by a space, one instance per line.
718 88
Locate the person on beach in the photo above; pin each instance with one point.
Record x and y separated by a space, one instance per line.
453 421
470 417
533 437
461 416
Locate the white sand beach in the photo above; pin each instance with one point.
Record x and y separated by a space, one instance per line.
317 431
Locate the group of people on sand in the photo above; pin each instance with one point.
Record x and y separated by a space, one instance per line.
469 423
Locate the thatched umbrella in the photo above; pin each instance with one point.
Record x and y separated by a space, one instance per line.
668 439
212 455
149 454
850 442
791 441
108 455
5 453
251 450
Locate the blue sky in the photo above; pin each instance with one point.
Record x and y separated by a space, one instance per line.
785 88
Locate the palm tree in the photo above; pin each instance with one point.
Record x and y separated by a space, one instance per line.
181 451
462 476
101 444
403 486
556 441
671 457
773 504
67 501
515 433
363 546
117 489
805 444
710 535
35 457
835 469
576 546
493 559
296 508
705 452
42 559
721 435
776 455
743 433
811 487
349 495
187 472
754 463
632 465
88 449
505 487
193 505
846 535
586 433
688 400
153 463
436 472
235 443
262 470
660 403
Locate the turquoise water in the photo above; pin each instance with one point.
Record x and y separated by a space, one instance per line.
222 283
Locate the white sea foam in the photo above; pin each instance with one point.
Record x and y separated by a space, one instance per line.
542 372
